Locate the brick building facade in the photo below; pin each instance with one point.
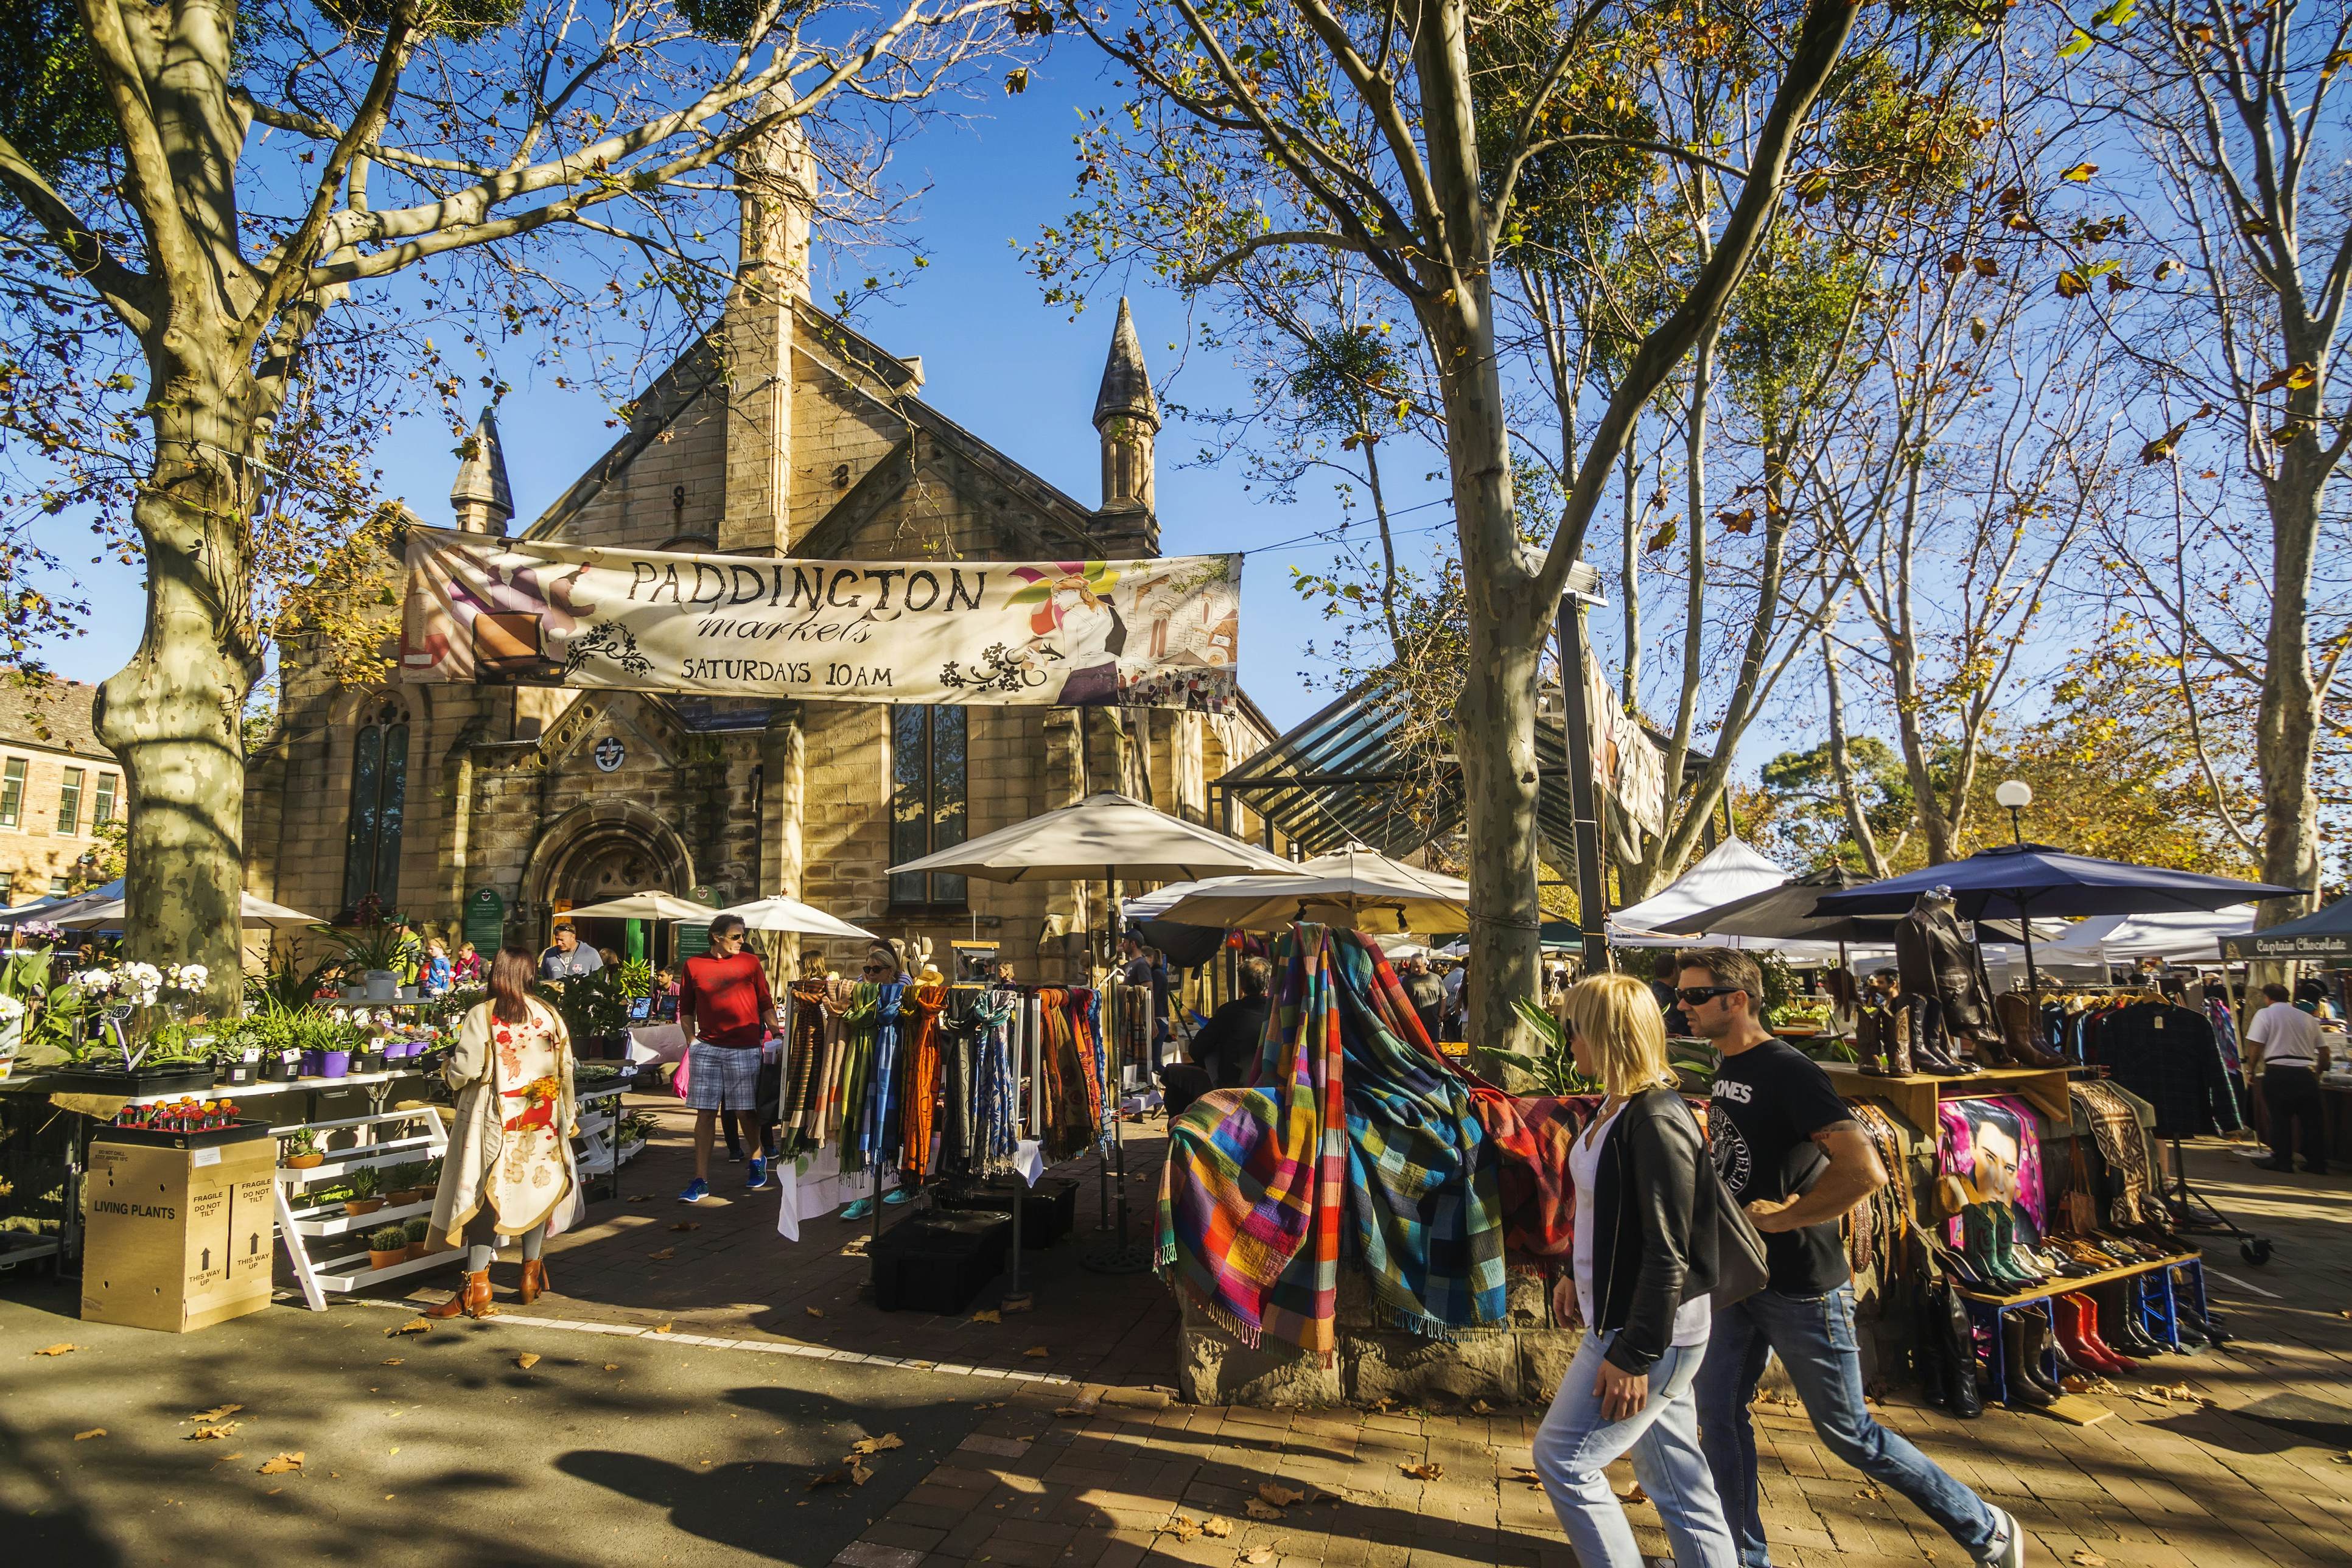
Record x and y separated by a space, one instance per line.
59 789
781 433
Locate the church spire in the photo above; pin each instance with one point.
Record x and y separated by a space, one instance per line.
1127 416
481 497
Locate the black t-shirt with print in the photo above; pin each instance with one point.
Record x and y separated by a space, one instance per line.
1767 1104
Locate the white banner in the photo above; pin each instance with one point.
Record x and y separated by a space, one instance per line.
1152 634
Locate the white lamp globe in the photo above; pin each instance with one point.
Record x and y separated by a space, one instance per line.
2014 794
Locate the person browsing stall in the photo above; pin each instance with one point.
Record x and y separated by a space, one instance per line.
1642 1268
566 959
2291 1057
1790 1151
724 1008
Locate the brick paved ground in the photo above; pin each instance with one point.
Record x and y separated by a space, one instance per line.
1109 1473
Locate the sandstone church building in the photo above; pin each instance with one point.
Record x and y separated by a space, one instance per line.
781 433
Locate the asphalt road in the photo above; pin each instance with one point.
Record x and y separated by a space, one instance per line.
605 1451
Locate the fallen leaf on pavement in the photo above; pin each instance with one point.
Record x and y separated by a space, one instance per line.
1258 1510
612 1366
1036 1351
1183 1529
528 1359
1638 1495
85 1437
57 1350
1278 1494
859 1473
877 1444
829 1479
1220 1528
1428 1470
1258 1554
1074 1411
2087 1560
393 1361
218 1412
687 1225
665 1252
664 1328
283 1464
213 1434
990 1316
815 1312
413 1326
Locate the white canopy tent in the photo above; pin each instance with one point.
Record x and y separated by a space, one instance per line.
1732 870
2193 934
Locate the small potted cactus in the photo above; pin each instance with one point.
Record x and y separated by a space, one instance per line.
387 1247
416 1229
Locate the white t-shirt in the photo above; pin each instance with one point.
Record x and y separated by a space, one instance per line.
1694 1319
2289 1036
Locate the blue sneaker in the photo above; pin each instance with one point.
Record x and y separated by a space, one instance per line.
895 1196
759 1173
858 1210
695 1191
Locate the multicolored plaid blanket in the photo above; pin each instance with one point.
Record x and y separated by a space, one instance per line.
1352 1106
1250 1199
1532 1138
1421 1182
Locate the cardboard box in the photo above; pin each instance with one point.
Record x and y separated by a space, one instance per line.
178 1239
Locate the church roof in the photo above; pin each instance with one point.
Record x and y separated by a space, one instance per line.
1125 384
482 477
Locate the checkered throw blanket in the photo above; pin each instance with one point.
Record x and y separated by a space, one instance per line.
1249 1200
1421 1180
1352 1106
1532 1138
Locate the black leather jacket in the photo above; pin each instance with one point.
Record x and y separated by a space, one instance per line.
1654 1226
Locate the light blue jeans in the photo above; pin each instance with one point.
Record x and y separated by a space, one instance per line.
1813 1337
1576 1443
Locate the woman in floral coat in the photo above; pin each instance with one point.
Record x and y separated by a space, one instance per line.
508 1169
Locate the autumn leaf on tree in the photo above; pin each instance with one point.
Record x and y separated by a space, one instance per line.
2155 451
2079 173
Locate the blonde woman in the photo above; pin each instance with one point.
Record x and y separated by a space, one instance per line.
1647 1208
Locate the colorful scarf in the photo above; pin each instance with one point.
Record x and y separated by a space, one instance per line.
861 1026
1429 1228
995 1145
1249 1202
803 1076
1073 1094
919 1121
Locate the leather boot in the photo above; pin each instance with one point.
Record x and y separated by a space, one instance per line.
1985 1046
1950 1323
2093 1337
471 1299
1869 1041
2025 1392
2120 1330
2021 1030
1894 1030
2080 1351
1928 1041
2037 1353
534 1279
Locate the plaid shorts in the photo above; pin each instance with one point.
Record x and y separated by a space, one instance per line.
723 1078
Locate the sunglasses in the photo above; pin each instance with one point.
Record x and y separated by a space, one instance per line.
1696 995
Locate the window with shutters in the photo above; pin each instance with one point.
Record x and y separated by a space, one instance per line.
379 790
927 801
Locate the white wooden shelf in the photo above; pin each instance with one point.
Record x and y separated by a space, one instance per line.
337 1223
311 1233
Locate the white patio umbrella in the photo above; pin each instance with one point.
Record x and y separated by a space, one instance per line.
653 904
1104 837
790 914
1354 886
254 912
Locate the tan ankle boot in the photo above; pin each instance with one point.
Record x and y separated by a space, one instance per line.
471 1299
534 1279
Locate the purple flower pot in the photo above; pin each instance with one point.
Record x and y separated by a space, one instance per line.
334 1064
310 1064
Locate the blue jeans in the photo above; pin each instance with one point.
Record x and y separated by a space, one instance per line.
1813 1337
1576 1443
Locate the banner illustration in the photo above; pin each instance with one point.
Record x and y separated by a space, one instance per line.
1153 634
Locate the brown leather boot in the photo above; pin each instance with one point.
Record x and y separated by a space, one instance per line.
471 1299
1869 1039
2021 1028
534 1279
1895 1032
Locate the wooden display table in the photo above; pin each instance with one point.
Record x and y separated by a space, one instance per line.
2157 1308
1914 1096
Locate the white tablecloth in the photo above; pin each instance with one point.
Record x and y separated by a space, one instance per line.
815 1184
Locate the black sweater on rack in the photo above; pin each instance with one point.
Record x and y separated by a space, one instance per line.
2166 1055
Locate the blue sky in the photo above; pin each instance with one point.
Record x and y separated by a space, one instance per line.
996 359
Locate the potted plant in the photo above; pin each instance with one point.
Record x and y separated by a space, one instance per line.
387 1247
369 1056
408 1184
367 1195
417 1229
299 1150
373 948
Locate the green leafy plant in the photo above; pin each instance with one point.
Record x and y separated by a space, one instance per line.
594 1004
1554 1068
284 981
364 1183
637 978
378 945
301 1140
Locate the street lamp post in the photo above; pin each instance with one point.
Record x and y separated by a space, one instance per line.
2017 795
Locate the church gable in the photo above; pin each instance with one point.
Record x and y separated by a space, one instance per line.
664 479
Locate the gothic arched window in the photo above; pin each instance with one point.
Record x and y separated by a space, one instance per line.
379 787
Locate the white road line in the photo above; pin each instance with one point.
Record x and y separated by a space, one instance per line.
2214 1273
761 1347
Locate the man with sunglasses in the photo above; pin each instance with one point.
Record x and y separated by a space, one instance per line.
1790 1151
725 1008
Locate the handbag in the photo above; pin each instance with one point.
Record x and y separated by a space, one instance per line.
1742 1267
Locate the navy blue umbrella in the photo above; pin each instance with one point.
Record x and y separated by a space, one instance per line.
2021 881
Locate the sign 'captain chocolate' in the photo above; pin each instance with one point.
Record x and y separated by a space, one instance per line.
1150 634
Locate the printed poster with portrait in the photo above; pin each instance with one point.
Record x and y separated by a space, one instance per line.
1993 1148
1160 633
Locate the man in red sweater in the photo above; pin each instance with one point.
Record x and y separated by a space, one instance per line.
725 1008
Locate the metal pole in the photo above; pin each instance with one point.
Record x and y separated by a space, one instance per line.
1591 884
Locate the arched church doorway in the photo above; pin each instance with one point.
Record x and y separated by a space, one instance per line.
602 851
